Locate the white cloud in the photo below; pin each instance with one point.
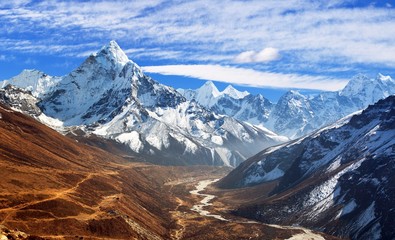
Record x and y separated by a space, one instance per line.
250 77
265 55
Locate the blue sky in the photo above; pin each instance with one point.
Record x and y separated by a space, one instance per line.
261 46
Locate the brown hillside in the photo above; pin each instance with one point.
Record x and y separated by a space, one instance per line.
53 186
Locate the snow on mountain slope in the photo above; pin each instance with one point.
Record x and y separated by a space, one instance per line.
23 101
208 95
234 93
38 83
328 107
296 115
363 90
243 106
291 116
110 96
93 91
339 179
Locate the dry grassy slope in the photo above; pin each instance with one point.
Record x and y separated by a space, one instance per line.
53 186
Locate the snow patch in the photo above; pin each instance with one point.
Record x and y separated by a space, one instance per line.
217 140
274 174
132 139
322 197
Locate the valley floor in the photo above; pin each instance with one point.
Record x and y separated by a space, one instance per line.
54 213
215 221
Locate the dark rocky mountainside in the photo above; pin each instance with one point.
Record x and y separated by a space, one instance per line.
339 179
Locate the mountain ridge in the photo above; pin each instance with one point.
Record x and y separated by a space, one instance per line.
338 179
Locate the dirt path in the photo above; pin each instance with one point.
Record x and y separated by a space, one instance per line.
61 194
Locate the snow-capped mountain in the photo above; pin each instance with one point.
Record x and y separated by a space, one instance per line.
234 93
339 179
295 115
231 102
327 107
37 82
208 95
110 96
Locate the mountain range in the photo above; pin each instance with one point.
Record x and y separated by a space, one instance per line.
295 114
109 96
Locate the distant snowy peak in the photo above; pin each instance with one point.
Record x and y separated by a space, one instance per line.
384 78
356 85
37 82
208 95
234 93
369 89
209 88
291 96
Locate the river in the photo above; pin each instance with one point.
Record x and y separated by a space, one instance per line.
205 202
199 208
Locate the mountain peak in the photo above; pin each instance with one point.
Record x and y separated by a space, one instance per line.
113 53
383 77
32 80
209 89
357 84
292 94
234 93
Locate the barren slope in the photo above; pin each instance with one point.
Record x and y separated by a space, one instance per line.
53 186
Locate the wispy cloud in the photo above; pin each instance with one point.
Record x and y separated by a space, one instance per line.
14 3
223 26
29 46
242 76
305 34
